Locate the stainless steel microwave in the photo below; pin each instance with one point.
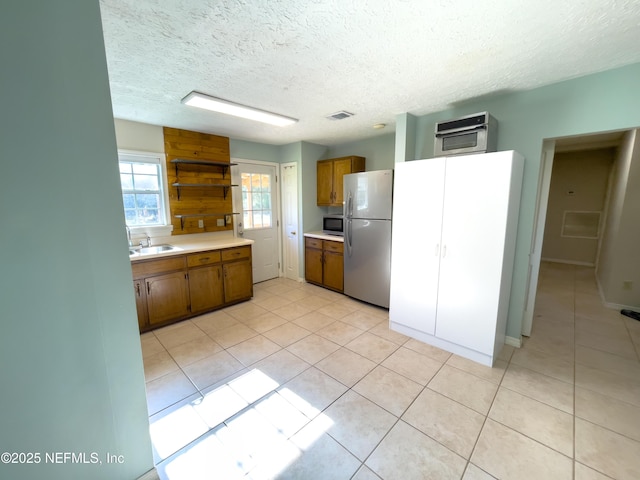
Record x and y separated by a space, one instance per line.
333 224
475 133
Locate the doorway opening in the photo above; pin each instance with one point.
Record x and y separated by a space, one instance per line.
578 189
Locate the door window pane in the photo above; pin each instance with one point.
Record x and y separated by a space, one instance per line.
256 200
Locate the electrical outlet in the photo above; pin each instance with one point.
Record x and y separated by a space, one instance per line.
200 223
227 219
220 222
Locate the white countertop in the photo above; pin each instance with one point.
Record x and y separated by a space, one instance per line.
192 244
325 236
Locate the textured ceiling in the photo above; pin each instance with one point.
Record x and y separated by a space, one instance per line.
375 58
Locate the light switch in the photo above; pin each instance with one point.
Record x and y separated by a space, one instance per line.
200 223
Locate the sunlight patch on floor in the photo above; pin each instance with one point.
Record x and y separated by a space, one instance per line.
242 426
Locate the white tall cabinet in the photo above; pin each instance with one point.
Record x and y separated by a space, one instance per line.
453 246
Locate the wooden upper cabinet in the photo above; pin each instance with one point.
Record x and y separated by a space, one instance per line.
329 178
325 182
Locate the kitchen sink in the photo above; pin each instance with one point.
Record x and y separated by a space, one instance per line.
152 250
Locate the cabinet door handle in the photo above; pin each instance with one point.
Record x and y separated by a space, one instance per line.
148 287
444 251
204 259
138 289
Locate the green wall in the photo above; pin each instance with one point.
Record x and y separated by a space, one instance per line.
255 151
601 102
70 359
379 151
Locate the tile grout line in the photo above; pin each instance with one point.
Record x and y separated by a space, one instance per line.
573 466
398 419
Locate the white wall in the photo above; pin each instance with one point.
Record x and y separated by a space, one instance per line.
579 183
619 257
70 359
139 136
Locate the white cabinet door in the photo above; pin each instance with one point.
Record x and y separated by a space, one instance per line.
476 200
415 248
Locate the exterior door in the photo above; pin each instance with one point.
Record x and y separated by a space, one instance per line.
289 175
256 200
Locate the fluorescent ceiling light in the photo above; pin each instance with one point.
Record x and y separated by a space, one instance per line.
200 100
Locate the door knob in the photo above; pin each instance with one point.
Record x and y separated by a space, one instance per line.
293 233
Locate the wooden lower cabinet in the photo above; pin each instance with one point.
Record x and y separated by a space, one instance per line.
167 297
324 263
333 267
140 289
238 281
313 261
206 288
174 288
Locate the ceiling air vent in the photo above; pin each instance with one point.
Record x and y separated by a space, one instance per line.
340 115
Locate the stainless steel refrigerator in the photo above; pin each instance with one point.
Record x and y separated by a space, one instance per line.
367 235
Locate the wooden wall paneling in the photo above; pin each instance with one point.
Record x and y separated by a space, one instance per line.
185 144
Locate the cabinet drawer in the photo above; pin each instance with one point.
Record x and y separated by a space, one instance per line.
151 267
336 247
236 253
203 258
313 243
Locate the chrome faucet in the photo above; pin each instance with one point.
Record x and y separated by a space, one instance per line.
148 241
129 235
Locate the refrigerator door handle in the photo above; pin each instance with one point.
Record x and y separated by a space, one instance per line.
350 205
348 236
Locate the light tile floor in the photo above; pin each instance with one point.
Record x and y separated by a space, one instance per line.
304 383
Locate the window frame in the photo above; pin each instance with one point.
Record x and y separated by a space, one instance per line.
155 158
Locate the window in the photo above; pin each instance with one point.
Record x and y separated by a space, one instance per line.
256 200
141 182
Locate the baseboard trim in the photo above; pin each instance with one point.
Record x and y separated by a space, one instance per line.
568 262
514 342
618 306
614 306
